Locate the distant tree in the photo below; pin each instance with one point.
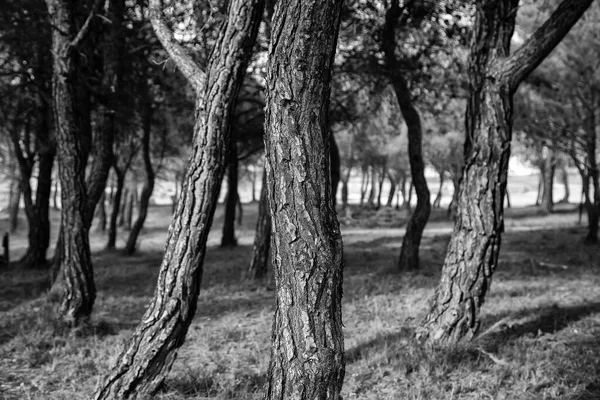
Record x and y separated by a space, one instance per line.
150 352
494 76
261 249
307 360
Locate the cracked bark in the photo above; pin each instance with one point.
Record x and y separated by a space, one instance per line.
307 351
150 352
494 76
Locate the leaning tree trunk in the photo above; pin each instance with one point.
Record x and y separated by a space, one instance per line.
259 263
79 291
101 227
438 196
150 352
494 76
409 253
392 192
148 188
307 352
228 238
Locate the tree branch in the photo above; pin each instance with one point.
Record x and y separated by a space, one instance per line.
85 28
182 59
523 61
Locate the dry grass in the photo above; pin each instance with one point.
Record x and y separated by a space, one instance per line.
541 322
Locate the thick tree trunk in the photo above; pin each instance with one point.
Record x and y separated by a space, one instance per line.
150 352
79 291
494 76
307 353
409 253
259 263
148 188
547 201
228 237
116 208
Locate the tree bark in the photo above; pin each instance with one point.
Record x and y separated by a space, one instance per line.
494 76
79 291
259 263
150 352
335 166
547 201
307 353
148 188
409 253
228 237
116 208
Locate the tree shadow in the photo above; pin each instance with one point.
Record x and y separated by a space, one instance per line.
537 321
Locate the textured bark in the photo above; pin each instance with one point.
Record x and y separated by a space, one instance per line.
148 188
228 238
150 352
307 352
116 207
78 286
409 253
259 263
494 76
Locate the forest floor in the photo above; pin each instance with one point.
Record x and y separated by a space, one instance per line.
540 337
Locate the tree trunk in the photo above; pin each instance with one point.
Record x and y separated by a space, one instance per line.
508 205
150 352
382 176
438 196
228 238
494 76
538 199
79 291
390 198
123 207
592 212
373 191
564 177
14 198
593 203
131 201
335 166
101 227
307 353
148 188
259 263
116 208
409 253
364 184
548 186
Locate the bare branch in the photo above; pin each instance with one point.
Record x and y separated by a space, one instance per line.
85 28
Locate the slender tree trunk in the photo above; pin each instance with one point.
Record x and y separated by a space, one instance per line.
123 208
409 253
593 202
150 352
307 352
382 176
335 166
114 215
14 198
228 238
494 76
438 196
148 188
592 212
538 199
564 177
101 227
373 191
129 206
507 198
364 184
79 291
549 166
390 198
259 262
